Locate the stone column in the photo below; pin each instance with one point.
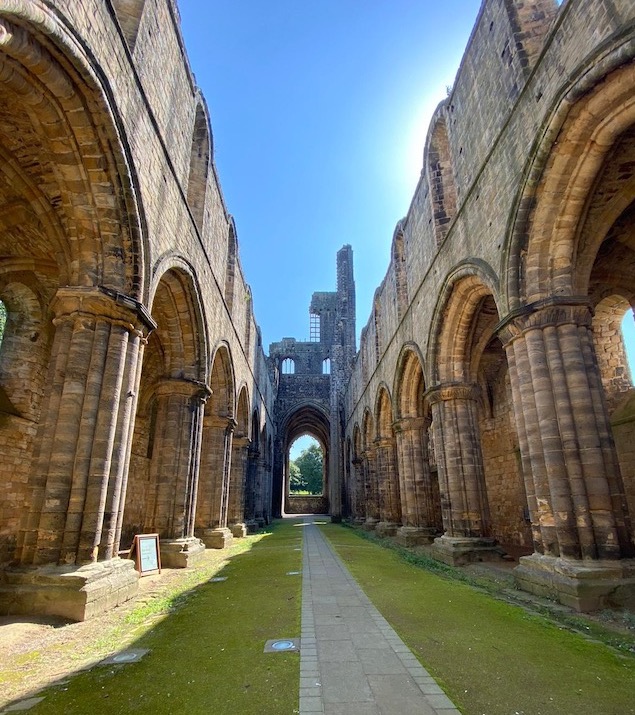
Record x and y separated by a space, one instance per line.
461 477
261 490
418 497
580 522
175 467
236 504
218 459
359 489
252 489
82 458
370 488
388 484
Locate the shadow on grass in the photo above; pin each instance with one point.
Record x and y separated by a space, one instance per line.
490 656
206 644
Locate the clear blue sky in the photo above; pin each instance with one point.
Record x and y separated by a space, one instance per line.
319 112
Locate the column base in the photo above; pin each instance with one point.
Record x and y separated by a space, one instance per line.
219 538
252 526
74 592
458 551
239 531
415 535
581 585
386 528
358 521
181 553
261 522
370 524
336 518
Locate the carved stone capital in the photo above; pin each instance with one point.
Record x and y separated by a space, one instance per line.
406 424
451 391
192 389
549 312
72 303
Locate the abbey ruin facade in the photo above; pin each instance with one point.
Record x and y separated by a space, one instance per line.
490 405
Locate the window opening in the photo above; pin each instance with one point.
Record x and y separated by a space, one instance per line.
288 366
326 367
306 467
314 328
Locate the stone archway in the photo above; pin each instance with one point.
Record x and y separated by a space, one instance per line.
308 419
386 460
419 483
482 491
570 256
163 481
72 277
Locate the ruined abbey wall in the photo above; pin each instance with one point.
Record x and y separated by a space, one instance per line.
496 331
135 392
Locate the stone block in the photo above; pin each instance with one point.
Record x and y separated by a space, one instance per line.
219 538
181 553
75 593
581 585
458 551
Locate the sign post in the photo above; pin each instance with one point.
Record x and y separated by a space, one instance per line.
145 548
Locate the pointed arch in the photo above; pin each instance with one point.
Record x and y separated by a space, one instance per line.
230 265
64 167
461 298
384 413
177 308
399 267
409 382
242 413
222 383
200 160
378 328
438 158
548 252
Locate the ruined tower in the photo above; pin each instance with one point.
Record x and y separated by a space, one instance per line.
311 377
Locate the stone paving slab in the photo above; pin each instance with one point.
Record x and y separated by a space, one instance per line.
351 661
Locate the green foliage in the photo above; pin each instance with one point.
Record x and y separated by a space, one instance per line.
310 465
488 655
295 477
208 649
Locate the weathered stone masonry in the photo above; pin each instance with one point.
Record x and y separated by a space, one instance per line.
495 333
135 394
489 407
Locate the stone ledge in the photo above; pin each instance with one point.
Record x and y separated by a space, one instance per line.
386 528
462 550
582 585
219 538
181 553
76 593
415 536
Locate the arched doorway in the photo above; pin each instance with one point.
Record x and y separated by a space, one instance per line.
308 420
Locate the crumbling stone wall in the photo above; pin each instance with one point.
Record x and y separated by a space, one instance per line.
117 255
519 230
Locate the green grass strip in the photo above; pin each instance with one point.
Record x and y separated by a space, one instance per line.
491 657
207 655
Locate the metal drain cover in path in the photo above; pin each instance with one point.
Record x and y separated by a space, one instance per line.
282 645
126 656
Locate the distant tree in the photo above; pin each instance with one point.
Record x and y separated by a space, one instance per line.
310 463
295 478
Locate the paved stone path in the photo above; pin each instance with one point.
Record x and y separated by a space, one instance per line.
351 661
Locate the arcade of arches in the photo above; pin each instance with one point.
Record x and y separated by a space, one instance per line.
489 408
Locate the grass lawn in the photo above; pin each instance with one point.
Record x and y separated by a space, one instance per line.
492 658
207 656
